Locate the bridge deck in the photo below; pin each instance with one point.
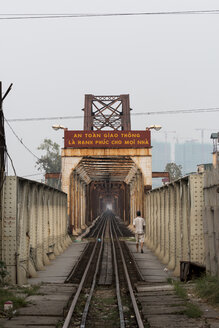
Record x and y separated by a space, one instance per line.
150 267
48 308
60 268
153 271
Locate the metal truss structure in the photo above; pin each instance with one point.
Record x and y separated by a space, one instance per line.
107 113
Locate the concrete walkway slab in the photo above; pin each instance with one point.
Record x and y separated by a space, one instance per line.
154 288
61 266
44 309
151 268
173 321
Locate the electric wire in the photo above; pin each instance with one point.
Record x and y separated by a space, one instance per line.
21 140
31 175
165 112
7 156
12 164
87 15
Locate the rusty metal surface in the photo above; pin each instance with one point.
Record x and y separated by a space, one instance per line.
109 167
174 221
34 226
106 168
211 222
100 163
69 152
52 175
111 112
160 175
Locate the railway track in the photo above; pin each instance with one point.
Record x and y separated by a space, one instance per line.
106 274
97 293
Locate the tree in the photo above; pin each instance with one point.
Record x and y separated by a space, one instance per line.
51 161
175 171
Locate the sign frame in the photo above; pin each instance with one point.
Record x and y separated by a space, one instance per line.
77 139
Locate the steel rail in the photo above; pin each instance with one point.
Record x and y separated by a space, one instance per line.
97 227
86 308
121 314
117 227
131 255
134 303
75 266
75 299
136 265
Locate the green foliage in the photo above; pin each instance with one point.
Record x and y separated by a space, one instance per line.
191 310
51 161
32 290
3 272
207 287
59 324
17 295
7 295
170 280
175 171
180 290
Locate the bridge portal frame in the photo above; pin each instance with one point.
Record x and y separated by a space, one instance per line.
138 179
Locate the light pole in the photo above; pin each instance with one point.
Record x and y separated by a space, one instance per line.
58 127
154 127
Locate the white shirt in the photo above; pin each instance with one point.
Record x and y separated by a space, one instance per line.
139 223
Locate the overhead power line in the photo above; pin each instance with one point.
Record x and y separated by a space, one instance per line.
32 175
165 112
87 15
20 140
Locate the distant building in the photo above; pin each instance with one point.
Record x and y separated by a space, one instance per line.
53 180
204 167
190 154
161 155
215 138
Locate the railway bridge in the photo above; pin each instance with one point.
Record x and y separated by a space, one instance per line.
105 168
113 169
109 166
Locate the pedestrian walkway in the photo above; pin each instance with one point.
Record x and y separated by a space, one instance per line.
160 304
153 271
45 309
59 269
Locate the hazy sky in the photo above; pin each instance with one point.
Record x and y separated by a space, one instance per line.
164 62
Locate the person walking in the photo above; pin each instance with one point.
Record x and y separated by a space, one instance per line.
139 224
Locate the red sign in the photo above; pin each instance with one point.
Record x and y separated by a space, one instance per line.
107 139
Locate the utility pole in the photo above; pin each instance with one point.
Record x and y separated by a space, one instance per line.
2 143
2 140
2 150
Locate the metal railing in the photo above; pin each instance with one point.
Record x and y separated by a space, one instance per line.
34 227
174 221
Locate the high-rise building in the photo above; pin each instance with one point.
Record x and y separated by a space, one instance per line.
161 155
190 154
